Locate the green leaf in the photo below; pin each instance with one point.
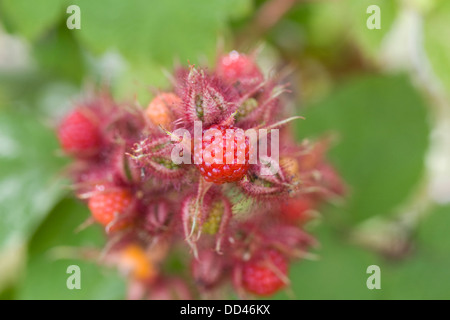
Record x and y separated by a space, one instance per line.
433 235
437 46
324 22
369 40
139 29
155 30
12 263
327 27
59 46
46 275
30 182
8 294
238 9
381 125
424 274
20 90
340 272
32 19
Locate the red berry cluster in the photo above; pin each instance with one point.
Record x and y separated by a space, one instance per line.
240 227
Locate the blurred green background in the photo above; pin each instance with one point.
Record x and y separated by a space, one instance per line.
381 94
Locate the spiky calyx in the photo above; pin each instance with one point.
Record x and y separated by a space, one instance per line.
170 288
205 98
157 217
208 270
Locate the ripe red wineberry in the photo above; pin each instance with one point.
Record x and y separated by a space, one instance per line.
106 206
259 275
296 209
235 67
234 162
78 134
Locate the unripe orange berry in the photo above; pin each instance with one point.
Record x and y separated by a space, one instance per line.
135 262
160 111
107 205
290 165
